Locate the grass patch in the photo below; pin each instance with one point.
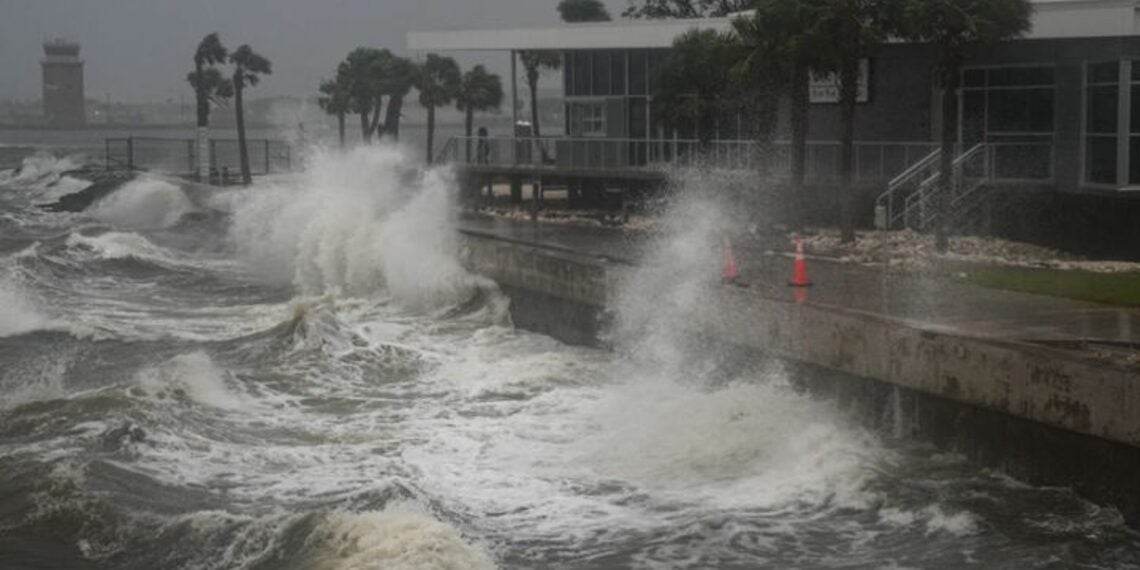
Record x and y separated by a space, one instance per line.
1121 289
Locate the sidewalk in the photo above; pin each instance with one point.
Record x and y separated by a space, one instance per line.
923 301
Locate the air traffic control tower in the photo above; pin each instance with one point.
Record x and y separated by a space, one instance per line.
63 84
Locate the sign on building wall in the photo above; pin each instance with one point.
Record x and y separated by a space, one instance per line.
824 87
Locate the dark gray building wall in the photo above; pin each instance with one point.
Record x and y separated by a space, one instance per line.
900 104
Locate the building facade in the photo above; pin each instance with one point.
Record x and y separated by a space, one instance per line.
63 96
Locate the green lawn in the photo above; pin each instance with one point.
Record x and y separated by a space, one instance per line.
1121 289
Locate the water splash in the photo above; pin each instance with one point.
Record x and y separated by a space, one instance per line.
145 203
358 223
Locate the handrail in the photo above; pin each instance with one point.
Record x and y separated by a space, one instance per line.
919 199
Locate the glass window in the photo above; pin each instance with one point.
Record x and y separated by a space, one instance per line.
1100 159
601 81
581 73
1106 72
1134 160
617 73
1102 109
638 80
974 78
1014 76
588 119
1020 111
637 118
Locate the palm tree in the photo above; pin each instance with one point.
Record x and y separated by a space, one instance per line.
209 86
685 8
856 29
334 100
438 82
583 11
398 74
696 81
478 91
533 63
954 28
359 73
782 46
249 66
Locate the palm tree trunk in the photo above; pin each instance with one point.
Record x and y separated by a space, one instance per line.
340 127
364 134
848 89
373 128
469 123
532 82
801 99
392 117
242 151
950 79
430 133
202 172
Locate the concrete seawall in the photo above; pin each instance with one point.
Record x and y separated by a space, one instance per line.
1045 415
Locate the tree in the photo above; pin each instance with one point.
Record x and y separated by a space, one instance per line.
249 66
696 82
856 29
685 8
209 87
397 75
359 73
954 28
583 11
438 82
533 63
478 91
782 45
334 100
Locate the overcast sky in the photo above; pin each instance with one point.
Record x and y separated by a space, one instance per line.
140 50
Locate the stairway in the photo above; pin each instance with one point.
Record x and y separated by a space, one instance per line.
912 198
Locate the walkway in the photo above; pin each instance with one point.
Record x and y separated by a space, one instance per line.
923 301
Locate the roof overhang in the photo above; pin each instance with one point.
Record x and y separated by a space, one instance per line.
602 35
1052 19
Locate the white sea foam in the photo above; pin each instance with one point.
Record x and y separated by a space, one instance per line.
193 376
18 314
120 245
39 171
143 203
401 537
358 223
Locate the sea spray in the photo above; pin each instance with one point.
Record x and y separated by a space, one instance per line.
358 223
145 203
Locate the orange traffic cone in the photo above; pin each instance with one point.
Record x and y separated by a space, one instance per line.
799 267
730 275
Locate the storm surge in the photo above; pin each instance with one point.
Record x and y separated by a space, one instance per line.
302 375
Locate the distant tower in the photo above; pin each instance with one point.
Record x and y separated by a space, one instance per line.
63 84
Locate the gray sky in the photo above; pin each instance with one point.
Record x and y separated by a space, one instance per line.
140 50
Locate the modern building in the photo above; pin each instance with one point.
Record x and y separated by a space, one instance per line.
63 84
1053 113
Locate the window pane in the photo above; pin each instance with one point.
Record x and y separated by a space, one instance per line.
581 73
601 84
637 78
1022 161
1010 76
1136 70
1021 111
974 78
617 73
1102 109
637 119
1100 159
1135 127
1107 72
1134 160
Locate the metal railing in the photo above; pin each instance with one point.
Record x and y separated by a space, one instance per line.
875 162
970 172
179 156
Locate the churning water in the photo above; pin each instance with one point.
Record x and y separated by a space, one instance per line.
302 375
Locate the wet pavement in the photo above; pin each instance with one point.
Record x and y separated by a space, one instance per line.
925 301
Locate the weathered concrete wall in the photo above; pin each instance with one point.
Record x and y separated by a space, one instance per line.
1043 414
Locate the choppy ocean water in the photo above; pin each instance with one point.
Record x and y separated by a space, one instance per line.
301 375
